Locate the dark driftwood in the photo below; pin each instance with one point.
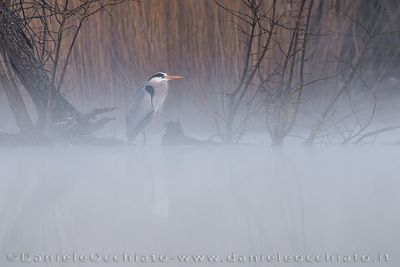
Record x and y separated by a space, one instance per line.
174 136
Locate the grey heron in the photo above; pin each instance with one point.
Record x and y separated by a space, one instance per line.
146 102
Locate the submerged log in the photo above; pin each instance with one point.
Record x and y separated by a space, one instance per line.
174 136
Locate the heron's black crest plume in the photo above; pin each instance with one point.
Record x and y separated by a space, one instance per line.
158 74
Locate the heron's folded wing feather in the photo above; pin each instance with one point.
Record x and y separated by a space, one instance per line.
139 112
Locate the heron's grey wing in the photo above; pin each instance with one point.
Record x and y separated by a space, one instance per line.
140 113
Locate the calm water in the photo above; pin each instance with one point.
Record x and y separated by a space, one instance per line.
174 202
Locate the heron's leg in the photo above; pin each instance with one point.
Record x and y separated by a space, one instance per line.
144 136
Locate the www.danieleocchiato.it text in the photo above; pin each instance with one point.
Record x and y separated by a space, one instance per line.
26 257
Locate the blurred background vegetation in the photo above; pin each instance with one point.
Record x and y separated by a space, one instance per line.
195 38
119 48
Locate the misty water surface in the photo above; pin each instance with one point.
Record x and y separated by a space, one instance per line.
190 201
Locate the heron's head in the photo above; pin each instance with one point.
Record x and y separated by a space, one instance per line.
163 77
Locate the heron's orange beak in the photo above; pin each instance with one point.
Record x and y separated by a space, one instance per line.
171 77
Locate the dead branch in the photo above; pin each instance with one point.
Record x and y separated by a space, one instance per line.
375 133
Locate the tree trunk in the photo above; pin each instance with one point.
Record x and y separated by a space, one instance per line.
277 140
18 52
14 98
16 47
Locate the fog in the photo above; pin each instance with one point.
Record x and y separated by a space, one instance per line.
279 146
199 201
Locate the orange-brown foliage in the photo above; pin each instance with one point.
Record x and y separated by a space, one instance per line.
116 51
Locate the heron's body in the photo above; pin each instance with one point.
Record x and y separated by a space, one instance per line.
146 103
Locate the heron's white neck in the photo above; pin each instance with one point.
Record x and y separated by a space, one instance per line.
160 94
